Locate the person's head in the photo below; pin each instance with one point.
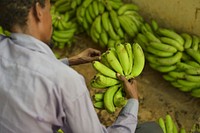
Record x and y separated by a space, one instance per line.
27 16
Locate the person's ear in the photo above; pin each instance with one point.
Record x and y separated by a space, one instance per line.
38 11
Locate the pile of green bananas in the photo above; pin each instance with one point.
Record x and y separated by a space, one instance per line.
109 21
65 24
177 56
125 59
169 126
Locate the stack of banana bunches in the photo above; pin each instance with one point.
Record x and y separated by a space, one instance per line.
106 21
168 125
175 55
65 24
109 21
124 58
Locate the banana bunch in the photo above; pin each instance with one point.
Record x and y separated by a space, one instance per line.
175 55
110 99
169 126
64 27
125 59
63 6
109 21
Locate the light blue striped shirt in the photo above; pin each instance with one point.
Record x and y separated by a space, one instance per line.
39 92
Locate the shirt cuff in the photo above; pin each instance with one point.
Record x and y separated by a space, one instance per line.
131 107
65 61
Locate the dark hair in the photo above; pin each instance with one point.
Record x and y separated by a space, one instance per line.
14 12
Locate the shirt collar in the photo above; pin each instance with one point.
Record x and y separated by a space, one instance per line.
31 43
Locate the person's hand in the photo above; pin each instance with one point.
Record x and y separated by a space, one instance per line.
86 56
130 87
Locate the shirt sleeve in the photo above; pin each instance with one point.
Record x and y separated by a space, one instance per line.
65 61
127 119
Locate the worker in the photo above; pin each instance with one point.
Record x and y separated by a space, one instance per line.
38 92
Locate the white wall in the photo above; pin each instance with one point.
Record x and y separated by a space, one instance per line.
180 15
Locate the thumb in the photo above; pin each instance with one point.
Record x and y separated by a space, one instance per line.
121 77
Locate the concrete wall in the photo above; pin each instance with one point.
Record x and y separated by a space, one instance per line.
180 15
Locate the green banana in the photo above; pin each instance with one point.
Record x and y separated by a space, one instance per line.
86 3
185 57
192 63
97 24
176 84
183 66
172 42
136 18
187 83
74 4
120 32
112 32
195 42
115 4
196 92
152 59
123 57
168 78
105 81
164 69
111 43
193 71
101 7
114 62
151 37
119 100
139 60
104 37
142 40
103 69
175 129
185 89
128 25
95 7
64 33
159 53
114 20
126 7
108 98
91 11
154 25
169 124
105 20
88 17
163 47
188 40
60 40
170 60
161 122
104 61
63 7
99 105
128 48
193 78
94 84
182 130
194 54
98 97
177 75
171 34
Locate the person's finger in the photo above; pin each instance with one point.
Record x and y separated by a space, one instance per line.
122 78
94 52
